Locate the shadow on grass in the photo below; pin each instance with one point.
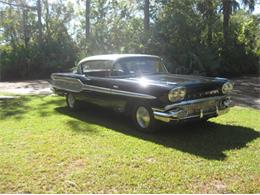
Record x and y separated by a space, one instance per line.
44 107
16 107
209 140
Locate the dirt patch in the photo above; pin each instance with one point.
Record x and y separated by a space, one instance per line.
211 187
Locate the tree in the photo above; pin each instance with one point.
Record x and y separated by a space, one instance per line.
228 6
146 15
47 17
87 12
208 11
39 15
42 36
25 27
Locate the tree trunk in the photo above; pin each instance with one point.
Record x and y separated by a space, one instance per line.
87 18
39 14
146 15
25 27
226 16
11 29
209 34
210 21
47 15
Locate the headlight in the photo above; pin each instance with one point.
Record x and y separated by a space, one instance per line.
176 94
227 88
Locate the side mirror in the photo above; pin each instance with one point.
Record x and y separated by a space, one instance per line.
74 69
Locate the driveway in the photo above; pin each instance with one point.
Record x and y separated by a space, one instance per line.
30 87
246 90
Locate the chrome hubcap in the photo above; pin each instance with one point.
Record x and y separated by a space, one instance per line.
71 101
143 117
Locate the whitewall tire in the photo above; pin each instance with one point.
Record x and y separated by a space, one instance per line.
143 118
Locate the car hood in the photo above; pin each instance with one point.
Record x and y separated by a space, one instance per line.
174 79
191 82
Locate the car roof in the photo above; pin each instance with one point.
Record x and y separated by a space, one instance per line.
114 57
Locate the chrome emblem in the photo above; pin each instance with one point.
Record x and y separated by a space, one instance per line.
212 92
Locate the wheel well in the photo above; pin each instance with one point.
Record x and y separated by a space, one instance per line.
131 104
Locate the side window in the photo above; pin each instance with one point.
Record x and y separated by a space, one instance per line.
119 70
97 68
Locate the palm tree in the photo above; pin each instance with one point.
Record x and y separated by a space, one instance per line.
87 15
146 15
39 22
229 6
208 11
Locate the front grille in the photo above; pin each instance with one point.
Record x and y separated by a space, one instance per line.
208 106
202 94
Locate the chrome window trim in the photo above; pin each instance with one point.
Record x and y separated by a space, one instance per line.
89 61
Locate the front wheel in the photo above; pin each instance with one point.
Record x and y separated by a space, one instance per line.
143 118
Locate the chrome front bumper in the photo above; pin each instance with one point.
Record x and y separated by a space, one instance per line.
194 109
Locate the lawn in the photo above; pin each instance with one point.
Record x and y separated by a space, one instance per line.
45 148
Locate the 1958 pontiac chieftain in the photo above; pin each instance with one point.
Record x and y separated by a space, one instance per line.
141 86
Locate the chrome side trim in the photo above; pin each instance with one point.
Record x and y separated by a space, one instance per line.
61 88
117 92
68 84
132 94
71 84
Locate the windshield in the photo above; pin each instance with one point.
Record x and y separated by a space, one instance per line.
138 66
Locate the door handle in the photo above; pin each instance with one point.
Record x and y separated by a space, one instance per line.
115 86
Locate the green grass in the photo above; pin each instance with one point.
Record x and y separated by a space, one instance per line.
44 148
7 94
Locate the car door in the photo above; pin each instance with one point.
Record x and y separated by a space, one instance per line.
120 86
121 79
97 83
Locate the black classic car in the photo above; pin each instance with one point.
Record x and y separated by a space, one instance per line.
141 86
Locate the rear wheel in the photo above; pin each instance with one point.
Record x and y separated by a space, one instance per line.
143 118
72 103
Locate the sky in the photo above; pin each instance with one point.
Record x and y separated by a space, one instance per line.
257 8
